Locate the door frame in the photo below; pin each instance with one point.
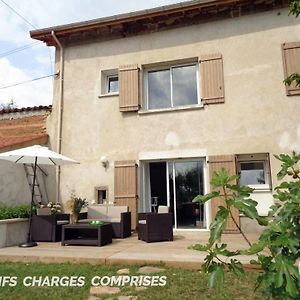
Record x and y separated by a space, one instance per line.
142 188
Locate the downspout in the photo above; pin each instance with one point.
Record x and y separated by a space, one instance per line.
60 109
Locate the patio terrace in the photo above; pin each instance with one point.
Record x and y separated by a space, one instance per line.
128 251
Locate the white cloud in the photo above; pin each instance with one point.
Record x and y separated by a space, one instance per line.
29 94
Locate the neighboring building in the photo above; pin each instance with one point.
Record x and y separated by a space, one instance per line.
178 91
20 127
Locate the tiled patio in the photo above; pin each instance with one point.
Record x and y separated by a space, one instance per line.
127 251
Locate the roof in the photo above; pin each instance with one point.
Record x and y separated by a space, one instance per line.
24 131
25 109
155 19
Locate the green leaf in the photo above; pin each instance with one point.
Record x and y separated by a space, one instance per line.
199 247
217 227
204 198
236 267
262 221
255 248
246 206
241 189
216 276
222 178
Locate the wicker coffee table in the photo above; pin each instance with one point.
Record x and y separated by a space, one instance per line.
86 234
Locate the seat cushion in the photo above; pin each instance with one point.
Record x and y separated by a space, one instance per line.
62 222
43 211
106 213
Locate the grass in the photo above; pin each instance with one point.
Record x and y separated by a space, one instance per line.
181 284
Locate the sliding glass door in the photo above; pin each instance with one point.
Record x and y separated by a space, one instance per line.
175 183
187 180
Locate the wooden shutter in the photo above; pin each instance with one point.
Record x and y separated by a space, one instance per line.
129 88
212 79
291 64
215 164
126 187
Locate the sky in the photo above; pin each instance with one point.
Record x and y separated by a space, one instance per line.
37 60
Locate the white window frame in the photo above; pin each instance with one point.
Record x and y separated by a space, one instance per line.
107 83
170 67
105 75
254 158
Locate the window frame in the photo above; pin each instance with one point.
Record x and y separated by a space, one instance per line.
107 84
255 158
104 82
170 67
100 189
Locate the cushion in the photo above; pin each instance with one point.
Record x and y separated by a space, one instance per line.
97 211
163 209
90 220
115 220
106 213
142 221
62 222
44 211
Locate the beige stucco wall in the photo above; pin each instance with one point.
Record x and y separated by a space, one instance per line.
257 115
14 189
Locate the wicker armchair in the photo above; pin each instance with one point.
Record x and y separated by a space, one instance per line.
47 228
155 227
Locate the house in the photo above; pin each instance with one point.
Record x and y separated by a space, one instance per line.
22 127
152 102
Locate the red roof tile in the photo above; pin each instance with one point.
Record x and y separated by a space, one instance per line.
33 108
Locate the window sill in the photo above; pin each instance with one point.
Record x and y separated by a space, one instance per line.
108 95
164 110
260 188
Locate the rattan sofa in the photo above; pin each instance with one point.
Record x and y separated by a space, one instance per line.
118 216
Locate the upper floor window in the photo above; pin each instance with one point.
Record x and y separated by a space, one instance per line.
112 84
109 82
172 86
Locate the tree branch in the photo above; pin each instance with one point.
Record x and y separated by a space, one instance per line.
236 224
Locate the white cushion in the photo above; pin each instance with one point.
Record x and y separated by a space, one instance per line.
106 212
43 211
163 209
62 222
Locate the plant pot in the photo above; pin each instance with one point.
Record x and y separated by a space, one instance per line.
74 218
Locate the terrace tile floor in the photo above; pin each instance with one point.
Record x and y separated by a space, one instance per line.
128 251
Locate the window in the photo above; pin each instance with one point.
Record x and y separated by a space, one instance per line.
254 170
109 82
112 84
101 195
172 87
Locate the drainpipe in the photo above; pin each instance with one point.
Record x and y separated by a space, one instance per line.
60 108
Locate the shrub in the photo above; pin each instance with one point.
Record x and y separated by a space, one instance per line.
13 212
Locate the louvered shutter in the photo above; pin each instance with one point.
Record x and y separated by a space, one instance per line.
129 88
291 64
215 164
212 79
126 187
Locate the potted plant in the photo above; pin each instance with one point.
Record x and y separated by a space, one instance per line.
50 209
75 204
